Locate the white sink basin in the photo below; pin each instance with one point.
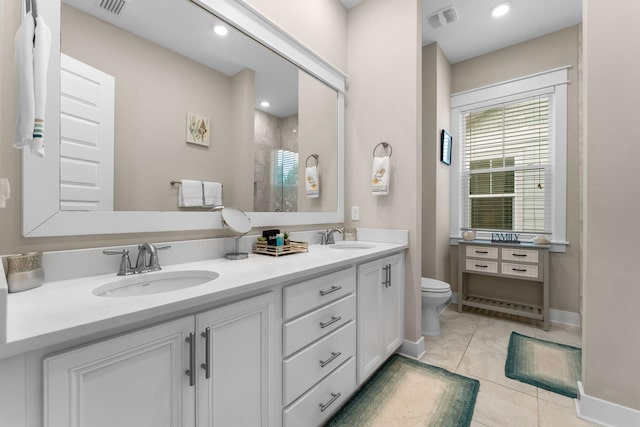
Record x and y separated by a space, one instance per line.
154 283
352 245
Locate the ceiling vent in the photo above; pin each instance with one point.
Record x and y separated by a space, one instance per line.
112 6
443 17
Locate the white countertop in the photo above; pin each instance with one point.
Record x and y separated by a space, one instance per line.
67 309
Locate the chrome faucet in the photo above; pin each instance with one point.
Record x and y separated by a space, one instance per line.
142 266
329 240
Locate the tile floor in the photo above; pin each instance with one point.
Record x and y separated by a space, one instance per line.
474 343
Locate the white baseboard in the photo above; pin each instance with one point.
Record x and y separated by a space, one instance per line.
604 412
413 349
555 316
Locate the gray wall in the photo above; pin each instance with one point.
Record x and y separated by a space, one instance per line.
544 53
611 348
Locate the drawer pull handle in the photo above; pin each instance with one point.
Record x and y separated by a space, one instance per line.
334 397
521 270
520 255
482 266
482 252
333 289
333 320
191 372
333 357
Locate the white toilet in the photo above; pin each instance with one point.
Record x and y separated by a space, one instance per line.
435 293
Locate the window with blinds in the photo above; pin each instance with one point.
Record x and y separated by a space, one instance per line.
285 181
506 170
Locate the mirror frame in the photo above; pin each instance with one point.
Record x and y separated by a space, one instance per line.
41 176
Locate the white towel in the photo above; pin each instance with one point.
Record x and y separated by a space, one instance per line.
312 182
190 193
5 192
380 173
32 61
212 193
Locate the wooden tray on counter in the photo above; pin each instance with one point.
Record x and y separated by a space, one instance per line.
291 248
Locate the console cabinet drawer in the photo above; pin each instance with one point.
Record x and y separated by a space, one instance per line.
311 294
524 270
309 366
519 255
308 328
319 403
481 265
486 252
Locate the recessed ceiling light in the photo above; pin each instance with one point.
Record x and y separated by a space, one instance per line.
501 9
221 30
264 104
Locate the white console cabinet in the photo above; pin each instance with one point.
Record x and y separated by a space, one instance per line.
380 312
211 367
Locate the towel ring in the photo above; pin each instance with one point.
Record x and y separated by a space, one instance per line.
314 156
386 147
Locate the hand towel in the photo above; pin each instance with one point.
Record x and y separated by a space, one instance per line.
380 176
312 183
190 193
33 46
5 192
212 193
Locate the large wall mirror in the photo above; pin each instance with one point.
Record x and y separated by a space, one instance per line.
141 95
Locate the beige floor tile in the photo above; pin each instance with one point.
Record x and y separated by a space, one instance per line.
551 415
477 424
557 399
561 334
445 352
501 406
488 364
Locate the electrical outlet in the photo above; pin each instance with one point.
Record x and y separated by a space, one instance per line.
355 213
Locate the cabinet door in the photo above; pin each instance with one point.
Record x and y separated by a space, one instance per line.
371 279
393 305
240 354
134 380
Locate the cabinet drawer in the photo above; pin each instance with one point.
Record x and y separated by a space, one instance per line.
313 363
329 395
481 265
486 252
519 255
310 294
524 270
308 328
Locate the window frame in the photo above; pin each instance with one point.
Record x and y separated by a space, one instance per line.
549 82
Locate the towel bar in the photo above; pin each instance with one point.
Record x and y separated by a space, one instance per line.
179 183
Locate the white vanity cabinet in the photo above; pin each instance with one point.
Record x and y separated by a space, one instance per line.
211 367
319 347
380 312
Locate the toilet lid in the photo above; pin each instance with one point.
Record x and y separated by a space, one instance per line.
433 285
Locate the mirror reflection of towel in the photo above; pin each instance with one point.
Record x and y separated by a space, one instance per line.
380 176
190 193
212 193
312 183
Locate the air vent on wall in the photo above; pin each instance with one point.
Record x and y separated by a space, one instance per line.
443 17
113 6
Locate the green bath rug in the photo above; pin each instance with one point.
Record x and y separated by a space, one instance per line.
410 393
548 365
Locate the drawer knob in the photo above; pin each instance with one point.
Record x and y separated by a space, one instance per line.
333 289
333 320
334 397
482 266
520 255
482 252
334 355
521 270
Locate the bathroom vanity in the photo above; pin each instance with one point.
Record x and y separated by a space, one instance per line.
270 341
520 261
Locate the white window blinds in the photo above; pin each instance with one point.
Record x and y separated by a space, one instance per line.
506 170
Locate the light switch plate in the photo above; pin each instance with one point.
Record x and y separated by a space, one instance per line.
355 213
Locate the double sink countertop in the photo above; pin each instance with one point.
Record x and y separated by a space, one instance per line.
65 310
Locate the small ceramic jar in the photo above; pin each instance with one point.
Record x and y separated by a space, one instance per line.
24 271
469 235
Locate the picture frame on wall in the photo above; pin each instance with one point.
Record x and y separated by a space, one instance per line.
445 147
